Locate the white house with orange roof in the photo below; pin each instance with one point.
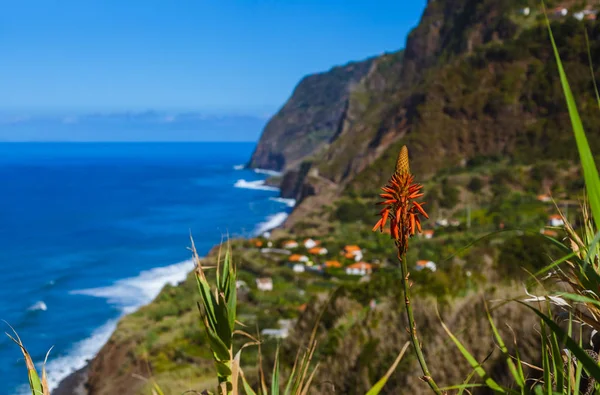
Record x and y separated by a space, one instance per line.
359 269
298 258
290 244
555 220
424 264
549 232
310 243
353 252
428 233
544 198
318 251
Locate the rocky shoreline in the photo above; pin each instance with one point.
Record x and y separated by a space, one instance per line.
73 384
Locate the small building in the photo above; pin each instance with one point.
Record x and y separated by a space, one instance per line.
428 233
359 269
282 332
240 284
333 264
560 12
544 198
590 17
549 232
318 251
299 268
264 284
454 222
442 222
525 11
298 258
257 243
424 264
310 243
353 252
555 220
290 244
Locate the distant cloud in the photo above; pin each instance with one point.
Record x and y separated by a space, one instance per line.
132 126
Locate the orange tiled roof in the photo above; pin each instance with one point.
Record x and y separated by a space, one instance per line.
332 264
422 262
290 242
315 250
295 258
428 232
549 232
555 216
352 248
360 265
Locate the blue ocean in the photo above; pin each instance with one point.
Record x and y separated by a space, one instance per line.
91 231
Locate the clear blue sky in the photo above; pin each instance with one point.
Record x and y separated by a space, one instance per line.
179 55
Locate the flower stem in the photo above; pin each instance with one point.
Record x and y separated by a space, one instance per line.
413 328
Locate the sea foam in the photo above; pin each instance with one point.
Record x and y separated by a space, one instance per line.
271 222
38 306
288 202
258 184
268 172
128 295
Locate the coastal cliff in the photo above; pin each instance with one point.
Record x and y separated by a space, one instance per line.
309 119
475 82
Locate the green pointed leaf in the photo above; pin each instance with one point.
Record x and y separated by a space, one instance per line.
376 389
590 172
275 379
219 349
247 388
473 362
519 380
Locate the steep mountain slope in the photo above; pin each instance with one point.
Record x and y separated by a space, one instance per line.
309 119
477 79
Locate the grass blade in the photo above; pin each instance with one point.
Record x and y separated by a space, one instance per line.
474 364
376 389
588 363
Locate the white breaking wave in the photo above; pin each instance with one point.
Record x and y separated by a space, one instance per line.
59 368
287 202
268 172
238 167
38 306
271 222
259 184
131 293
128 294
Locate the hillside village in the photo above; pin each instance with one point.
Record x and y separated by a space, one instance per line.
353 262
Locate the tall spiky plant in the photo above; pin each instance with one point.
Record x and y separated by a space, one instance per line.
218 310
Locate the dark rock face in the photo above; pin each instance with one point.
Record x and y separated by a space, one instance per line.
309 119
